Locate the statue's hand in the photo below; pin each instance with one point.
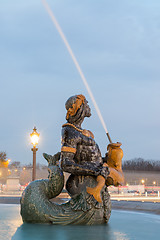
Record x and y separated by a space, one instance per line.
105 158
104 171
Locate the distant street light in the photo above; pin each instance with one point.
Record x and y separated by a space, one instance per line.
154 183
34 140
142 181
8 160
6 163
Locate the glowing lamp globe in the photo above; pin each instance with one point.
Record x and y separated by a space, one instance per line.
142 181
34 137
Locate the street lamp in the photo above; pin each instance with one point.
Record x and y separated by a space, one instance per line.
154 183
34 140
9 160
142 181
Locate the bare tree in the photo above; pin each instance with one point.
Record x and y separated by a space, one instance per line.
3 156
15 164
3 167
139 164
3 160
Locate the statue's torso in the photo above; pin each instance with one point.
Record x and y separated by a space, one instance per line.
87 153
86 148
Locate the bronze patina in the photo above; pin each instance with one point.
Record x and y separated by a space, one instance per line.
90 176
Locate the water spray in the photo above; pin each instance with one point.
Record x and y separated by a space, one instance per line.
77 66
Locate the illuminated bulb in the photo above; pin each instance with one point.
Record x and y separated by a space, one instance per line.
34 137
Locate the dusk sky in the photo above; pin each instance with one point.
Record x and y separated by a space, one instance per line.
117 45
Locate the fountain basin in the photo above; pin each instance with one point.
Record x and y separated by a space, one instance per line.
123 225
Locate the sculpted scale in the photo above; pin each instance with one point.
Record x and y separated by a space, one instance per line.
90 175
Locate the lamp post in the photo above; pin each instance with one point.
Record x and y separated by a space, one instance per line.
154 183
34 140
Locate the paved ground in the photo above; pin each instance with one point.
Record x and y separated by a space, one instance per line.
149 207
153 199
10 200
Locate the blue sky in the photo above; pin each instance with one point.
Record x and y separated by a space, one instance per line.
117 44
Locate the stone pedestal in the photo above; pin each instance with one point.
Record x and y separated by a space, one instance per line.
12 184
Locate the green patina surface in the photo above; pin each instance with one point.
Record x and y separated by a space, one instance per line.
36 206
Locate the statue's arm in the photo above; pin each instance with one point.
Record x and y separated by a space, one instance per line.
68 165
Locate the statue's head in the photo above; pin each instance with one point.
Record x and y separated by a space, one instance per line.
77 108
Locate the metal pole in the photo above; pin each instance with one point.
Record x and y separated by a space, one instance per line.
34 149
109 138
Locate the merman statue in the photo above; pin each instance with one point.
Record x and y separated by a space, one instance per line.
90 176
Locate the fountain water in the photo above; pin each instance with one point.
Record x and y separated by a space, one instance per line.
123 225
77 65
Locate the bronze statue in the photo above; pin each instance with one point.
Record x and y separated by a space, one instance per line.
90 176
